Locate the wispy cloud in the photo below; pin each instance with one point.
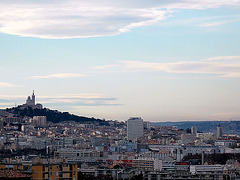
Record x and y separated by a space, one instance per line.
222 69
80 18
203 21
217 58
210 24
231 75
79 100
61 75
5 84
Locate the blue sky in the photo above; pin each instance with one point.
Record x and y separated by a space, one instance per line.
161 60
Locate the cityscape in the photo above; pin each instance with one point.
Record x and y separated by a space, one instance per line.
35 148
119 89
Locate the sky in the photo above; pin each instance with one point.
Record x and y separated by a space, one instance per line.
175 60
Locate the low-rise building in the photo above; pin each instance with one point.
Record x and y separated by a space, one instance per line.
54 171
147 164
41 171
77 154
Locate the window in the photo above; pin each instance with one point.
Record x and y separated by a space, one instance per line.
56 173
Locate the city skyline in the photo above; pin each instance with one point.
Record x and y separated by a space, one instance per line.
162 61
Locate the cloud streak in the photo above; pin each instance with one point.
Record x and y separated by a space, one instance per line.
5 84
219 58
79 100
222 69
211 24
78 19
60 75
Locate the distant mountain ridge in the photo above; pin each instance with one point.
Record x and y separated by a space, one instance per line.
205 126
53 115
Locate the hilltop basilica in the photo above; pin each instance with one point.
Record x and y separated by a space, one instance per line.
30 102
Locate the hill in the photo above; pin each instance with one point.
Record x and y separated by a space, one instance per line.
53 115
205 126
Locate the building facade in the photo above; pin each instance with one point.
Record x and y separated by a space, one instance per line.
54 171
39 171
39 121
134 128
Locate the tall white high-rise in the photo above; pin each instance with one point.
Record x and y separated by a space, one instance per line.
219 131
134 128
194 130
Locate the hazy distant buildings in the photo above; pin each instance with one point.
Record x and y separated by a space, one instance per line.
194 130
219 131
134 128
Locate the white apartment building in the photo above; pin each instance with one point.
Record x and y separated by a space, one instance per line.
147 164
77 154
206 136
40 121
206 168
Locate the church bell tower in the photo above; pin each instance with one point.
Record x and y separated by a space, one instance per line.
33 98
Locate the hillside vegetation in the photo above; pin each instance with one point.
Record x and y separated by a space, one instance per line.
54 115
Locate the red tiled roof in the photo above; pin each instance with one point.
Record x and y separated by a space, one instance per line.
11 174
